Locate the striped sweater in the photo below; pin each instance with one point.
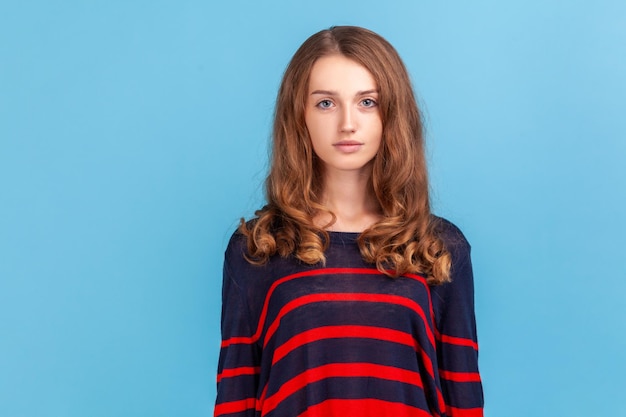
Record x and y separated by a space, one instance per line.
345 340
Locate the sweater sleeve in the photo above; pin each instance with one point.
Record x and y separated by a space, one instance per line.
238 366
457 346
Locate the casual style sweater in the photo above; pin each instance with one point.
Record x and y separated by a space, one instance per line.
344 339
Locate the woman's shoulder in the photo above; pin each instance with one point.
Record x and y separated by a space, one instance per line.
449 233
237 245
238 248
461 276
237 266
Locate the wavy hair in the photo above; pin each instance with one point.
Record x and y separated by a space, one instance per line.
406 238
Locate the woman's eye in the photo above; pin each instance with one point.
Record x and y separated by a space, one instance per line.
368 102
324 104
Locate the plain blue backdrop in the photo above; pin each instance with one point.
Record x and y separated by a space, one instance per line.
133 135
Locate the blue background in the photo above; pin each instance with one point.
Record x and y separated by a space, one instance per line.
133 135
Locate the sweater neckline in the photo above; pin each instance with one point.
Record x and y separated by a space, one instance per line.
343 236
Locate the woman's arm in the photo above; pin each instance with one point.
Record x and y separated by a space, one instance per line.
457 346
238 367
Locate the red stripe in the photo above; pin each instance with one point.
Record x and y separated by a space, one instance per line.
460 376
459 341
424 282
365 297
314 272
363 408
464 412
232 372
339 332
367 332
311 273
238 341
340 370
234 407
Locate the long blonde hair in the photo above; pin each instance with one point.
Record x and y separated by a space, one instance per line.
405 240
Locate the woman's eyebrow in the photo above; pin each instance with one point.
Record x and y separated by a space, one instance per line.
324 92
334 93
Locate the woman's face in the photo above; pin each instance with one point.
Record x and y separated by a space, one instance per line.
342 114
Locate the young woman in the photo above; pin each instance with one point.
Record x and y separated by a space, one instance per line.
345 296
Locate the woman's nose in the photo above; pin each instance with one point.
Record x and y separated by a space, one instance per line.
347 123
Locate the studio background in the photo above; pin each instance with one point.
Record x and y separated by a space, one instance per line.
133 135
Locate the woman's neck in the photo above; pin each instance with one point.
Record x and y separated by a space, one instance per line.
350 197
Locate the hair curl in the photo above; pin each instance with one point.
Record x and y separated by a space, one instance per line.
406 239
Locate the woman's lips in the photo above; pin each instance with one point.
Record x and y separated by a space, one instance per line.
348 146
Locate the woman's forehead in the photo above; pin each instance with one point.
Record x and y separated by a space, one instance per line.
337 73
